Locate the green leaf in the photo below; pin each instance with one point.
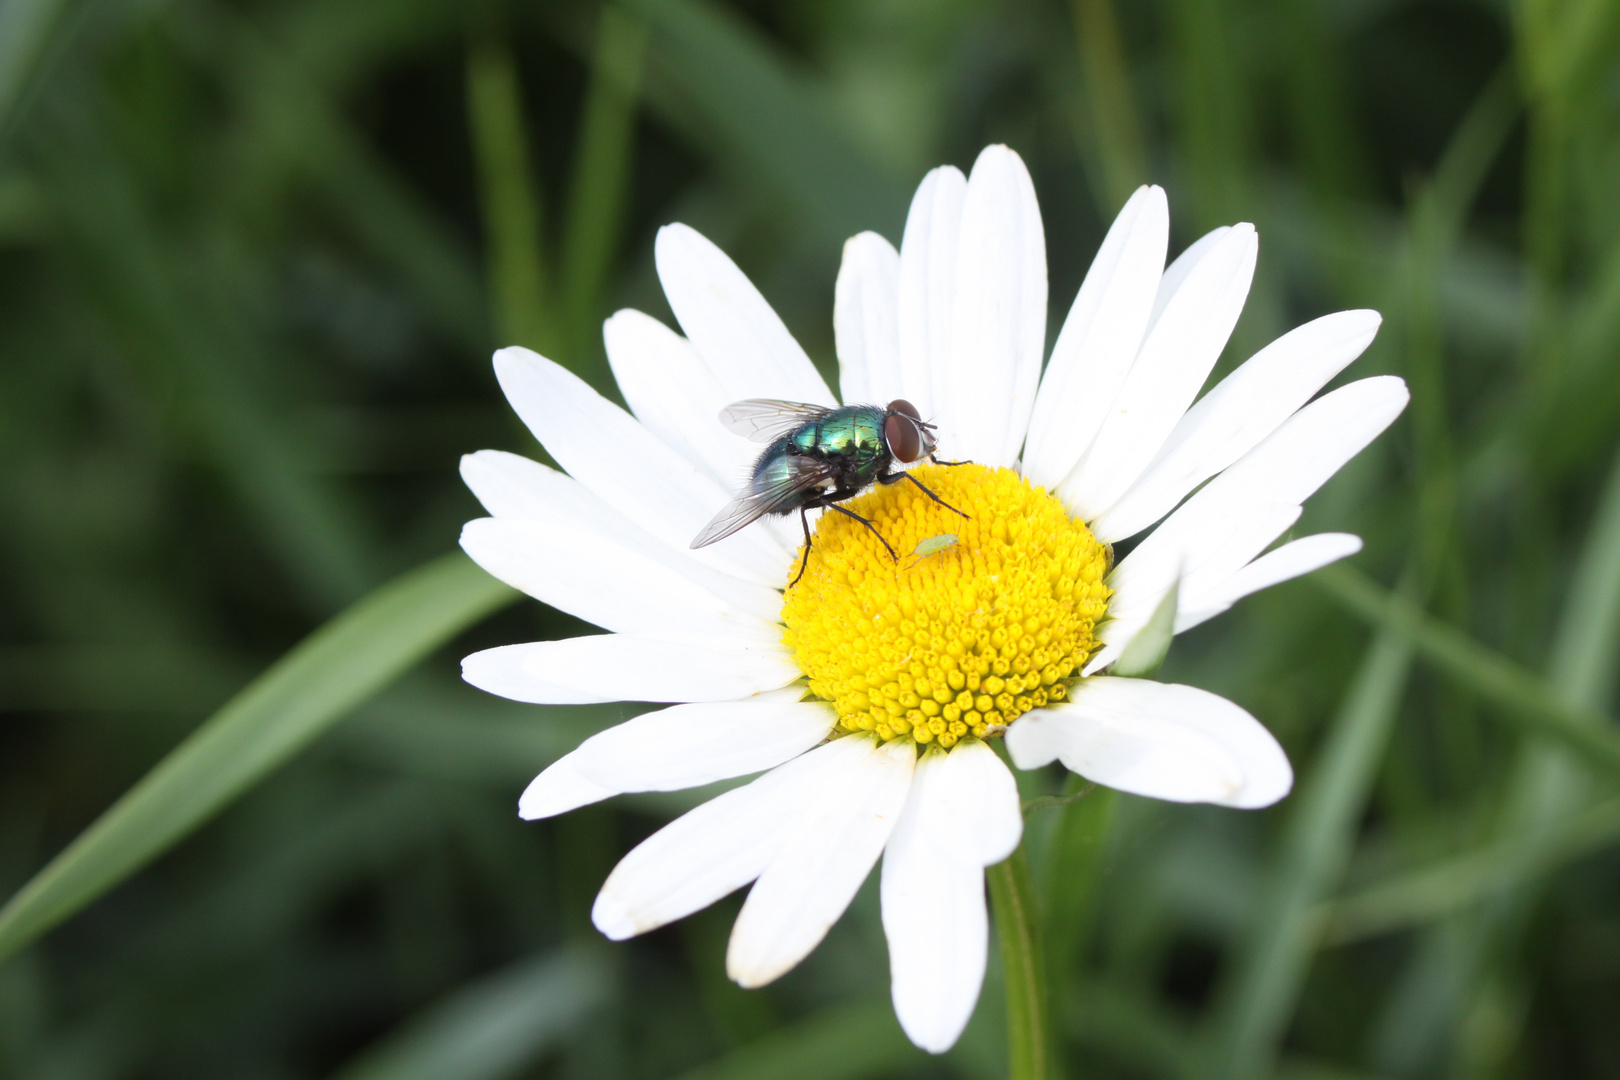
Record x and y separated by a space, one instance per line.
494 1028
278 714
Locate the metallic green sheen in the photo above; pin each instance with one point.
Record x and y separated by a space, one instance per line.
852 435
854 432
774 469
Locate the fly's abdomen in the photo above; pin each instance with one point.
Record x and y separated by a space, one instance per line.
777 470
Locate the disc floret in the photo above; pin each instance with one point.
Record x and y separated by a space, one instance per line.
960 640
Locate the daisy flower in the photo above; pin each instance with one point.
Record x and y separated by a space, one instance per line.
867 693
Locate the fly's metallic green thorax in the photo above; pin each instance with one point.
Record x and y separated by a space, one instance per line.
853 433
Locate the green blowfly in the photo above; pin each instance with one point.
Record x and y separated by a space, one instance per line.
818 457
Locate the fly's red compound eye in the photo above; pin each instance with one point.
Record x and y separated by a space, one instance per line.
901 405
901 435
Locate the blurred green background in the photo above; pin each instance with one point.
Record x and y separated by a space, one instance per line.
255 256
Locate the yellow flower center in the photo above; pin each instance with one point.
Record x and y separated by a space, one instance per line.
961 635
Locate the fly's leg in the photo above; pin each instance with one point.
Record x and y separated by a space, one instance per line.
936 461
869 525
827 502
804 565
896 477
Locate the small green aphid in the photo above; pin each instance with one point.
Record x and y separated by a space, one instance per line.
933 545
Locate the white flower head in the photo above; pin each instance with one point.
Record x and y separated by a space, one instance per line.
865 692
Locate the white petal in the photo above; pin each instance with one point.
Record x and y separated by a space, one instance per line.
558 790
630 468
1284 564
738 334
1176 273
973 801
516 489
928 283
1199 564
1311 446
998 328
718 847
1201 561
1236 515
680 747
866 321
1241 410
653 665
1177 356
1161 740
672 391
813 877
1266 484
619 579
933 916
1099 339
512 486
687 746
503 671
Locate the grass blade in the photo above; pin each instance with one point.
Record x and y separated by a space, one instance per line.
1588 639
513 229
766 120
1254 1006
290 125
601 178
1115 127
1330 149
1546 792
1213 112
1448 887
25 30
279 713
1520 696
845 1042
493 1028
171 311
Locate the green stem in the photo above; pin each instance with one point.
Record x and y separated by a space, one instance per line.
1029 1045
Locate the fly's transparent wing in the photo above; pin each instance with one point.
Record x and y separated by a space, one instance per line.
807 473
763 419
